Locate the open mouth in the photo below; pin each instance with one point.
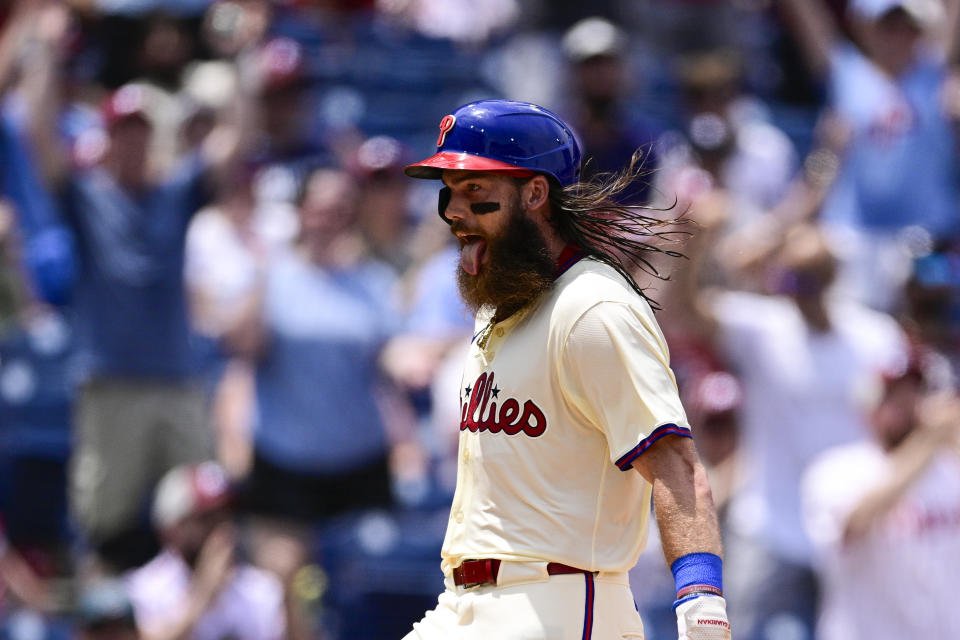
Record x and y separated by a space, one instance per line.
473 248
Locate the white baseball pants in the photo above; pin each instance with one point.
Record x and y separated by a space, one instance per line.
528 604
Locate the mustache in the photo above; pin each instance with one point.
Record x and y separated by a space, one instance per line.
458 226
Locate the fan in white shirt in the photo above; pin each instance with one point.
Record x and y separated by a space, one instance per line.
196 588
884 519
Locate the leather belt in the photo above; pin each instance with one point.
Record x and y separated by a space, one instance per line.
471 573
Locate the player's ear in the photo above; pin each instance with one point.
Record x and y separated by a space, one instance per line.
535 193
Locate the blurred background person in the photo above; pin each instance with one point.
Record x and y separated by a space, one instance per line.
36 348
712 400
726 142
33 220
36 395
288 144
138 409
424 357
801 356
715 400
884 516
227 245
198 587
601 78
898 168
383 209
326 420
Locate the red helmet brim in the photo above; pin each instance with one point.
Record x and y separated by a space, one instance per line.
433 167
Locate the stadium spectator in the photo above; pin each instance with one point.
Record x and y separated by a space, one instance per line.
712 400
227 242
289 145
383 208
35 348
727 142
35 342
322 433
227 246
884 518
898 167
609 134
138 411
801 356
46 245
197 587
426 355
36 393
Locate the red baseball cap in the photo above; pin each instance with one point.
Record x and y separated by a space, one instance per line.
715 393
190 490
377 156
282 65
128 102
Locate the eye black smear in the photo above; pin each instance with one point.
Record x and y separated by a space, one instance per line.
443 203
484 207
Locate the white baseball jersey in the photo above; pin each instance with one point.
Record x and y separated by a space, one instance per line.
557 402
898 581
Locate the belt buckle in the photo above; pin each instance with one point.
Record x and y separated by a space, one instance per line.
470 569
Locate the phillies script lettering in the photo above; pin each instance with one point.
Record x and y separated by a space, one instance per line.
481 413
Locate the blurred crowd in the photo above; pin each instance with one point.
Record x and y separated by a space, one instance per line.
230 334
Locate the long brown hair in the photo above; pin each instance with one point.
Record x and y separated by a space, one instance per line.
592 216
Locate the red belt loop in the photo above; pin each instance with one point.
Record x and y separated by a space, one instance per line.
472 573
490 571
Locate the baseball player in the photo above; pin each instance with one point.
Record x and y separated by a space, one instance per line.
570 419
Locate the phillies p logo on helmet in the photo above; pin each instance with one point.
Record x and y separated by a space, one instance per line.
445 125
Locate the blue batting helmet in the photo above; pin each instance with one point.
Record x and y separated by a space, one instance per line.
503 136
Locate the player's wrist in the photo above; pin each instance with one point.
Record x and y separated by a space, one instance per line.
700 607
699 590
698 574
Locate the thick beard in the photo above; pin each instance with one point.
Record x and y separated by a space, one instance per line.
518 270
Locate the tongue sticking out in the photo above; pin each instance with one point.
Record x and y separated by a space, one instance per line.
471 254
